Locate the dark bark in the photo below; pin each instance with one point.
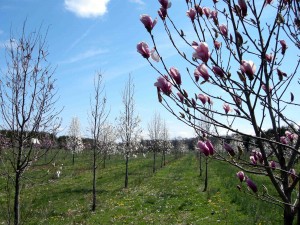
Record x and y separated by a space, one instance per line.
206 175
288 215
200 164
104 161
126 171
94 181
17 199
162 160
154 161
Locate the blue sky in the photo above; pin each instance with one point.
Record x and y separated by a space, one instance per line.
86 36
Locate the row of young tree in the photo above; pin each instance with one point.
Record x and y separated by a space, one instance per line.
30 120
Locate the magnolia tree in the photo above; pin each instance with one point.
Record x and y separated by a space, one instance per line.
128 125
155 134
107 141
166 143
98 116
27 106
243 56
74 141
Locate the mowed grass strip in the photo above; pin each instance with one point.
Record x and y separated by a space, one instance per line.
173 195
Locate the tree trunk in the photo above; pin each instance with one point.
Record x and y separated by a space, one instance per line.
17 199
104 161
206 175
288 215
200 164
73 161
162 160
94 181
126 171
154 159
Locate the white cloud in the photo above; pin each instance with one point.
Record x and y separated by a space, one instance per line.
84 55
139 2
87 8
9 44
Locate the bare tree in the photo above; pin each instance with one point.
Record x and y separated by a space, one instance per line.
74 140
98 117
27 104
128 123
247 52
155 134
166 143
107 141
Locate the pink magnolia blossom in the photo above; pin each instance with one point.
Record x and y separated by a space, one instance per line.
162 12
199 9
217 44
283 140
175 75
165 3
164 85
249 68
203 71
202 98
185 94
194 102
143 49
257 156
223 30
218 71
241 175
269 57
263 86
214 15
201 52
210 147
148 22
226 108
197 74
229 149
191 13
209 101
243 7
238 100
194 44
206 11
180 97
283 46
251 185
293 174
253 160
291 136
281 74
268 2
154 55
272 164
203 148
287 133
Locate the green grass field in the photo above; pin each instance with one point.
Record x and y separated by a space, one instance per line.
173 195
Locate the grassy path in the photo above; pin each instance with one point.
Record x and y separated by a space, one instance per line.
171 196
